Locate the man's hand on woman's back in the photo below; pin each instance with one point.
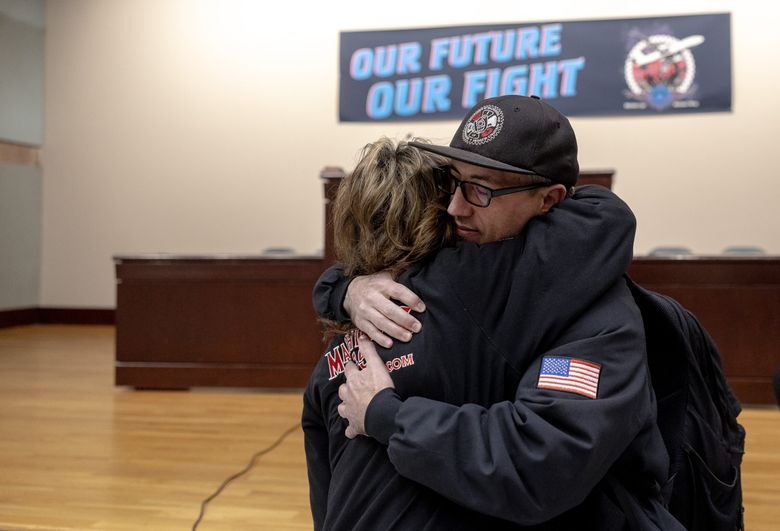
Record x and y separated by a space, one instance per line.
369 302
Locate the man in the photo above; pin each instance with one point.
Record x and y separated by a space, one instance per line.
575 442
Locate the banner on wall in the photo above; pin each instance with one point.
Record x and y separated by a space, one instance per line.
636 66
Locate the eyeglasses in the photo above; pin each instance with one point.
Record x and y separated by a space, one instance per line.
477 194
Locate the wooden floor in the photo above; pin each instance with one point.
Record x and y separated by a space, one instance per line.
78 453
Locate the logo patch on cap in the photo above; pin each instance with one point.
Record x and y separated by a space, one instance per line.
483 126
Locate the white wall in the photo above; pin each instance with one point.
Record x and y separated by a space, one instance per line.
189 126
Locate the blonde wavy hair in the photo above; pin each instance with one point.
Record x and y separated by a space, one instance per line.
388 213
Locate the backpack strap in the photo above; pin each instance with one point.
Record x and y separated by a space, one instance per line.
666 348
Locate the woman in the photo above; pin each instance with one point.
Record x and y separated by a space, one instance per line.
495 300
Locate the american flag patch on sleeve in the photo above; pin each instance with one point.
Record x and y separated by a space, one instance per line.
569 374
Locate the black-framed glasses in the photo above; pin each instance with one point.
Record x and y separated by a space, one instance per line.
477 194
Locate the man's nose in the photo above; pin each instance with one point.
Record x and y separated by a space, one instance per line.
458 206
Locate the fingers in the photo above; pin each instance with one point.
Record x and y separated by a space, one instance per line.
368 351
396 322
368 302
350 367
375 368
349 432
373 332
385 318
406 297
360 386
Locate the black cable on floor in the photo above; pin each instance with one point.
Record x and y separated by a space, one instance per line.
239 474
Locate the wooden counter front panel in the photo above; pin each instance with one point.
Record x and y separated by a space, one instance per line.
738 302
249 323
216 323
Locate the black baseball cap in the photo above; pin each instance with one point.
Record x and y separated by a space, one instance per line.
518 134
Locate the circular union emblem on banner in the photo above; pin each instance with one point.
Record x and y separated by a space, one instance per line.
483 126
660 69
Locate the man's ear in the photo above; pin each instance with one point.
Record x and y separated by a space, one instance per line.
551 196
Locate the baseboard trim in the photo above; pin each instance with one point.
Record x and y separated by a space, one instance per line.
22 316
76 316
84 316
